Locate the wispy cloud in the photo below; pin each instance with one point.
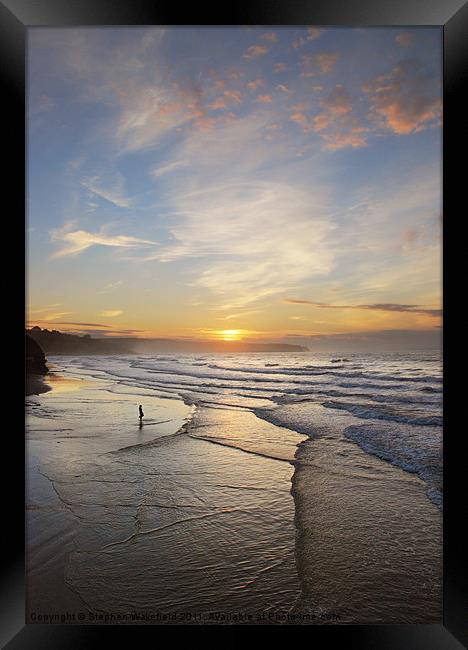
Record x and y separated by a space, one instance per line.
110 189
392 307
111 313
51 316
111 286
160 170
74 242
283 88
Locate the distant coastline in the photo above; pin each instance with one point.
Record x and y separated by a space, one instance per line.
58 343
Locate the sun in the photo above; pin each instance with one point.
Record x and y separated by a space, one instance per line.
230 335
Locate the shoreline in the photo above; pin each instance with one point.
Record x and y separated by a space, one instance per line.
180 512
201 503
366 534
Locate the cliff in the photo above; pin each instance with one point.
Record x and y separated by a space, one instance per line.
35 361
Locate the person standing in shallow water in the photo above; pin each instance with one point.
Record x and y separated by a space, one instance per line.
140 410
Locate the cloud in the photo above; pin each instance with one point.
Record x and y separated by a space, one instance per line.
355 139
255 51
264 99
150 111
298 42
405 100
252 240
313 33
84 324
76 241
255 83
217 104
170 167
143 102
111 313
391 307
235 95
335 124
109 188
111 286
321 63
279 67
247 238
404 38
283 88
392 340
44 104
52 316
234 74
270 36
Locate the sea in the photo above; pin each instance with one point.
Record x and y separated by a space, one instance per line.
279 488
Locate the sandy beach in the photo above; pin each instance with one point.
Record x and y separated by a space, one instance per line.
209 514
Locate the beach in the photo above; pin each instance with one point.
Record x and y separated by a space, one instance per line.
244 497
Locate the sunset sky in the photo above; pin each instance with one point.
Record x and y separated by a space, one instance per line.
246 182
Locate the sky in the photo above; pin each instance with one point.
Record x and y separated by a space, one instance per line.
254 183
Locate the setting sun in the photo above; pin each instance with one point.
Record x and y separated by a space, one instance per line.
230 335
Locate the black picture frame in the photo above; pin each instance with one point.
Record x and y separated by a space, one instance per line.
16 16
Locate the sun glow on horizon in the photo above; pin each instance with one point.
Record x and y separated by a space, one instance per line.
204 177
230 335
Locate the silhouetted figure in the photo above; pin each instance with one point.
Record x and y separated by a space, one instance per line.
141 414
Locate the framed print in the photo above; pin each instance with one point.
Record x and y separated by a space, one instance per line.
236 408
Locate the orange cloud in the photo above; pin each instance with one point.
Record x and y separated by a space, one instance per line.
283 88
206 123
255 83
270 36
235 95
336 125
404 100
321 121
218 104
300 107
279 67
338 101
264 99
299 42
304 121
404 38
254 51
235 75
313 33
355 138
323 63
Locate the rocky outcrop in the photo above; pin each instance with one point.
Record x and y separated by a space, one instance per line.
35 360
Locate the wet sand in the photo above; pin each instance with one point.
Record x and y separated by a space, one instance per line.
152 522
190 519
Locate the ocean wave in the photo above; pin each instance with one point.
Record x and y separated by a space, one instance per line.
406 449
373 412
